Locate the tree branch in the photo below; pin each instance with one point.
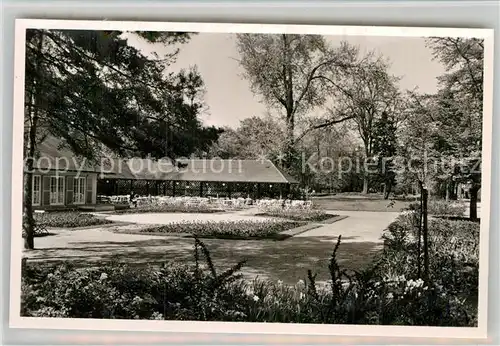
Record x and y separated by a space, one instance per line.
323 125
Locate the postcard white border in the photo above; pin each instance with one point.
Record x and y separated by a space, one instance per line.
16 321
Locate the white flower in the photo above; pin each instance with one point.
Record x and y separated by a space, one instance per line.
104 276
390 295
301 295
300 282
255 298
50 276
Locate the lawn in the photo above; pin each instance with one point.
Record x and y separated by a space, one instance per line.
360 203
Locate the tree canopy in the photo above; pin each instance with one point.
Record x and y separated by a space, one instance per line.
293 73
99 94
93 88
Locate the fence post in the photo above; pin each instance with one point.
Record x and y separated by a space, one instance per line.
425 234
419 233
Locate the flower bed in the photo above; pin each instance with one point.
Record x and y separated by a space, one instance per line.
228 229
171 208
69 219
298 214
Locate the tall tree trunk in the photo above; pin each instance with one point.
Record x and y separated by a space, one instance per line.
473 201
388 189
289 101
365 183
32 110
28 219
289 141
365 167
454 190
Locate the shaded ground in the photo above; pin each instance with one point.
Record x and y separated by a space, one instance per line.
285 260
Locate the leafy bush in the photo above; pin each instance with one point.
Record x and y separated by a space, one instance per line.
453 254
441 208
298 214
170 208
269 229
68 219
203 293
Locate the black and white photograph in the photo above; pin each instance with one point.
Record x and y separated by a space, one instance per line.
254 176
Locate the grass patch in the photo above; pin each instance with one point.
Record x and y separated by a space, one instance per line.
70 219
360 204
227 229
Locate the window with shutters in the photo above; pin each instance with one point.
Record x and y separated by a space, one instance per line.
56 190
37 190
79 186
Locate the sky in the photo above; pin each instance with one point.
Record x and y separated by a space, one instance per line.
229 97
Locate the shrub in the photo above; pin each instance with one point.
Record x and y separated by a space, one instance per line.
268 229
68 219
441 208
453 254
201 292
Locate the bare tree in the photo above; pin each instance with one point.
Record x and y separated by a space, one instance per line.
288 72
369 91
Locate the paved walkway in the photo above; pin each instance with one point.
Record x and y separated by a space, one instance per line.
358 226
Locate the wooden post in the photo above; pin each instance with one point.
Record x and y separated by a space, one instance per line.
174 183
201 189
419 233
426 234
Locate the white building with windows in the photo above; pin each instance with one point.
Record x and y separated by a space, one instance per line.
60 179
